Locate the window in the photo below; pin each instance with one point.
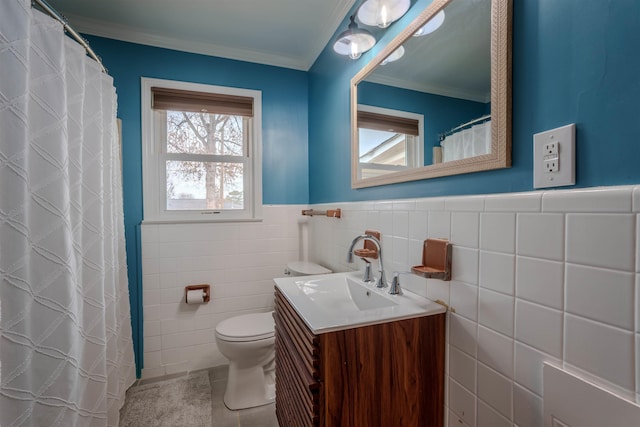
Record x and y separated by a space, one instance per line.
201 152
388 141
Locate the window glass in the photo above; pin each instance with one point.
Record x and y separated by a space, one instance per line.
202 185
388 141
203 133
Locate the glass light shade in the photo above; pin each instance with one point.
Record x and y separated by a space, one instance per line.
395 55
431 25
382 13
354 41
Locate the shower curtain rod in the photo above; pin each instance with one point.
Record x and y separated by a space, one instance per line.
60 18
471 122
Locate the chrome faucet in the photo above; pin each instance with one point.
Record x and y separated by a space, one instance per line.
382 281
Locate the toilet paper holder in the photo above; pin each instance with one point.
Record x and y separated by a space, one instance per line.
205 288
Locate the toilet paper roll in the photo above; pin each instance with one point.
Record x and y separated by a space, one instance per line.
195 296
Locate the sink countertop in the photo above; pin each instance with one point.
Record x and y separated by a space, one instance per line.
337 301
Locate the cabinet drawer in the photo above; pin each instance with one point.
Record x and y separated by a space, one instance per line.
299 394
297 366
303 342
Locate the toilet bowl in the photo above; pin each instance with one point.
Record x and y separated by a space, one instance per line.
248 342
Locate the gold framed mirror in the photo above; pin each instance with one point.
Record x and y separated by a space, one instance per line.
481 96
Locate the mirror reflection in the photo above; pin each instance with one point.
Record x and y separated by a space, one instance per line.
389 140
429 101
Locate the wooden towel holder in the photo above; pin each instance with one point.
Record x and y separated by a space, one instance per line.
331 213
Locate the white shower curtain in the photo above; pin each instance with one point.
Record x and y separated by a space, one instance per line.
66 355
466 143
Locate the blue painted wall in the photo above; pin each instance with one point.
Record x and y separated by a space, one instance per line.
574 61
441 113
284 131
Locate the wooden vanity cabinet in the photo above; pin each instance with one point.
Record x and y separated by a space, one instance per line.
387 375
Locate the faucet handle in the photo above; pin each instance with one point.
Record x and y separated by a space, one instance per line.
367 278
395 288
382 280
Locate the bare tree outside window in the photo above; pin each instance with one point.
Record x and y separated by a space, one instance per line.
215 184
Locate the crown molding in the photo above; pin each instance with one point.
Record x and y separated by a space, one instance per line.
336 17
476 96
129 34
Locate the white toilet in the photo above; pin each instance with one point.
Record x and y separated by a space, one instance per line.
248 341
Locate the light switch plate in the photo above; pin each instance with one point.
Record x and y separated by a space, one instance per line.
554 157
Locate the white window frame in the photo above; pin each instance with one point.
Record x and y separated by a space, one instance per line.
154 160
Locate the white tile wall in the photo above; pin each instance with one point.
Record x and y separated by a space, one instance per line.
464 298
238 260
463 334
466 270
539 327
636 199
528 366
540 281
514 202
496 390
611 199
495 350
462 368
638 241
497 272
489 417
495 311
540 276
600 349
462 403
439 225
537 276
637 369
464 228
541 236
497 232
602 295
638 302
527 408
601 240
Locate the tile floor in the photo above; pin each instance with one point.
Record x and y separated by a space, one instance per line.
262 416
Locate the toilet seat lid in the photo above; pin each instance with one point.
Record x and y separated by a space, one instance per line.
307 268
247 327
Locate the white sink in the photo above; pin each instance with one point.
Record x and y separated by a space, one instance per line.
330 302
341 293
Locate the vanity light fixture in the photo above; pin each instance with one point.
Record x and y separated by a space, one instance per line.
431 25
354 41
382 13
395 55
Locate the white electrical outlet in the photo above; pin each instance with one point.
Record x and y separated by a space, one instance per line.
550 157
554 157
551 165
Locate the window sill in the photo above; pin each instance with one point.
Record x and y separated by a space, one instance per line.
198 221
